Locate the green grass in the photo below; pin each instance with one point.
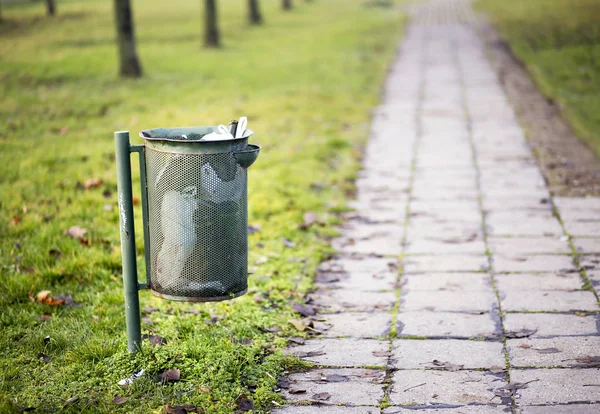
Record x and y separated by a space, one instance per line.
306 79
559 42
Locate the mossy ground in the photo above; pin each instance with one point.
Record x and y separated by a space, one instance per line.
306 80
559 42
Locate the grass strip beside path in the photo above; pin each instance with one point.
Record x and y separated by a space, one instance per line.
559 42
306 81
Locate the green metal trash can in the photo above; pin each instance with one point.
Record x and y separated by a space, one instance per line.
195 214
198 214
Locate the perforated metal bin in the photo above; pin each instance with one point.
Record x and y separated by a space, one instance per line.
195 214
198 215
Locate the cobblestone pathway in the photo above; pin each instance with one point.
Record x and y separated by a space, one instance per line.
458 287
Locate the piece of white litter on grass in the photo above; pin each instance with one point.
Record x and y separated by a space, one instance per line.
129 381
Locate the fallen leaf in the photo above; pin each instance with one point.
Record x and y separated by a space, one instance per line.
336 378
63 130
303 354
299 324
296 390
16 220
76 232
592 361
309 219
297 340
43 357
183 409
170 375
118 400
92 183
382 353
204 389
496 369
71 401
304 310
45 316
448 366
327 278
244 404
45 298
155 340
149 310
525 346
30 294
322 396
521 333
243 341
581 314
548 351
287 242
272 329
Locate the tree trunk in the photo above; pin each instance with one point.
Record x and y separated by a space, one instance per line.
129 63
211 25
254 16
50 7
287 4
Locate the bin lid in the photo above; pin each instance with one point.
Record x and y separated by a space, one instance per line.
195 133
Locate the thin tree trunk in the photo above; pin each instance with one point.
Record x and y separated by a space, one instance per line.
287 4
128 60
211 25
254 15
50 7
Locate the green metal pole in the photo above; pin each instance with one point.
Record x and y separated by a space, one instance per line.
130 282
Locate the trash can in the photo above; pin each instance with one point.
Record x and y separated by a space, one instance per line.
197 204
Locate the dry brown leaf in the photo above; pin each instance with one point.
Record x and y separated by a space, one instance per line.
525 346
322 396
204 389
294 389
170 375
298 324
76 232
45 316
92 183
16 220
183 409
382 353
309 218
118 400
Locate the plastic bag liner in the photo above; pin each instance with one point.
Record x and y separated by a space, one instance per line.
184 133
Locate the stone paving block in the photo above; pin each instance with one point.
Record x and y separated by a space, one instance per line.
451 301
537 281
342 352
534 263
587 246
357 230
464 206
551 352
419 354
366 265
444 387
522 246
531 227
449 246
366 282
556 386
363 387
585 228
561 409
473 409
356 324
546 324
325 409
458 263
542 300
578 207
453 282
451 231
351 300
446 324
387 246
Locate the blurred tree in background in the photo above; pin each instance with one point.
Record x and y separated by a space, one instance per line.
287 4
211 25
129 65
254 15
50 7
